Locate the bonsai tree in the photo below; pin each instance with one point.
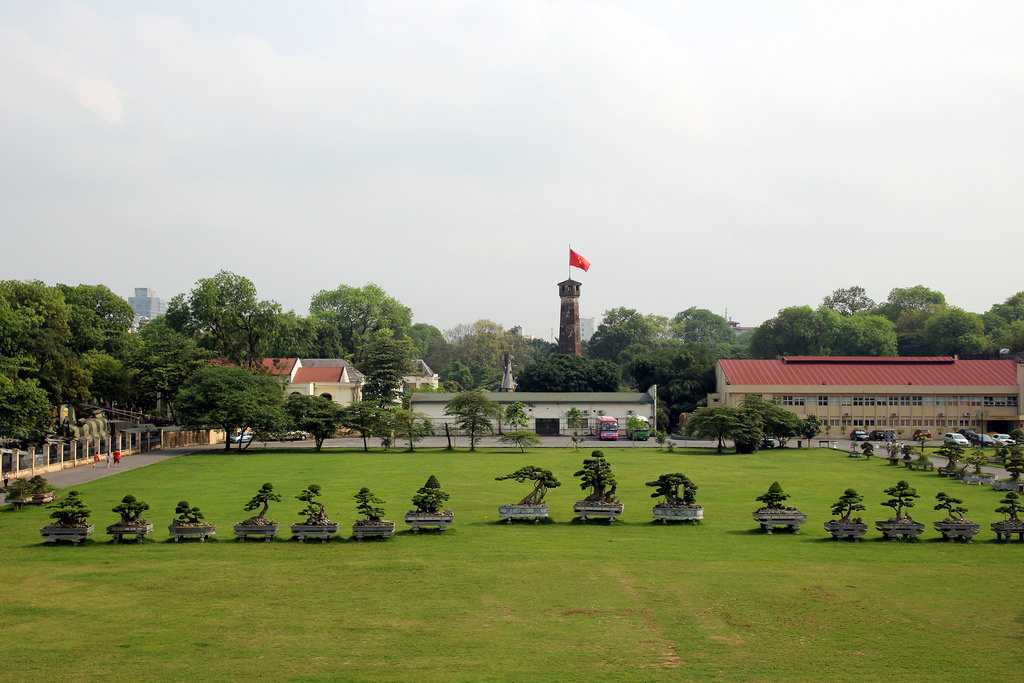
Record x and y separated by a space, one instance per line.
316 514
1015 463
976 459
1011 506
19 489
953 453
953 506
542 481
131 508
902 497
868 449
596 475
261 501
366 505
667 486
660 438
187 515
430 497
71 511
848 503
774 498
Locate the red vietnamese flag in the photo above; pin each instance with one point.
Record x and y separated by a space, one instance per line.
577 261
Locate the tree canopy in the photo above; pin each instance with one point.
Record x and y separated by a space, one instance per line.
562 372
231 399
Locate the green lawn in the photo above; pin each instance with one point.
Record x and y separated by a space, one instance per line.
492 602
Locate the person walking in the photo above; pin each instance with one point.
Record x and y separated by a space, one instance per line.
117 457
110 459
95 459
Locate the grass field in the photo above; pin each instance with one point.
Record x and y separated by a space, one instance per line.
492 602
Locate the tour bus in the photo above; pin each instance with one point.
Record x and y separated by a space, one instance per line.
607 428
638 428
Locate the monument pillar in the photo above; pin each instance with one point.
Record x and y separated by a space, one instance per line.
569 338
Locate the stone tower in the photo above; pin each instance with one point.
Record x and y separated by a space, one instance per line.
569 322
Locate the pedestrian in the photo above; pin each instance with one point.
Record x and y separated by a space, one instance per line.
95 459
110 459
117 457
7 480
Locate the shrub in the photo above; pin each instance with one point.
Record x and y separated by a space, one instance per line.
367 505
902 497
430 497
131 508
596 475
1010 507
868 449
521 439
316 514
186 515
848 503
953 506
774 497
262 500
667 486
976 459
1015 462
70 511
542 481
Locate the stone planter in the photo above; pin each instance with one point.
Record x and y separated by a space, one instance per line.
430 520
851 529
265 532
902 529
1008 485
322 532
73 534
586 509
367 529
534 513
957 530
202 532
975 479
1005 530
35 499
790 518
119 531
677 513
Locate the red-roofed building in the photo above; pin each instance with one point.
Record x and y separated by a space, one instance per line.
898 393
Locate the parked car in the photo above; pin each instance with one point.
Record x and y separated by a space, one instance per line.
920 434
858 435
969 434
986 441
241 438
1003 439
882 435
296 436
955 438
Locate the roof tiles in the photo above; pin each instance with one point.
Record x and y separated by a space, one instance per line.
871 371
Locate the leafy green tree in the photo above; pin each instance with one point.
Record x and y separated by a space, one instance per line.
718 423
364 418
319 416
848 301
797 330
622 328
24 410
848 503
232 399
518 435
368 505
953 506
774 497
188 515
916 299
1015 462
472 411
162 362
261 501
953 453
99 319
701 326
597 477
131 508
667 486
901 497
810 427
359 314
70 511
750 428
575 420
314 511
430 497
683 371
411 426
955 331
561 372
431 345
1010 507
543 480
110 381
976 459
385 361
863 334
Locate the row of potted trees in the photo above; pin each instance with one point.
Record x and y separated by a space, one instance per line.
955 526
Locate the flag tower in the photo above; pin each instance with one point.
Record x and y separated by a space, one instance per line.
569 337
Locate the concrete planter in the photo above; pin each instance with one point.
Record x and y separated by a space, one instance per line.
585 509
202 532
957 530
677 513
1008 485
119 531
321 532
906 529
846 529
430 520
73 534
976 479
1006 530
534 513
265 532
367 529
790 518
35 499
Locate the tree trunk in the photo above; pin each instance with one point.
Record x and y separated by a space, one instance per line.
365 446
448 434
319 439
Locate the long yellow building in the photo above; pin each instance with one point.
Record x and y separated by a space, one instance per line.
900 393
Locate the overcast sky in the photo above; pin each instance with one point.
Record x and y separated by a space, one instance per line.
740 155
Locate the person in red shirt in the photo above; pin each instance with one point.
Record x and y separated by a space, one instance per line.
117 458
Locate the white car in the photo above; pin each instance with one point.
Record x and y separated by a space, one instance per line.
241 438
1003 439
954 438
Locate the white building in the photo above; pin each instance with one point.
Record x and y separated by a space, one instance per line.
332 378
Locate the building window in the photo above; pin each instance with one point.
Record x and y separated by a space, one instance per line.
916 400
845 400
858 422
904 400
863 400
904 422
1011 401
892 400
792 400
834 422
916 422
823 400
999 400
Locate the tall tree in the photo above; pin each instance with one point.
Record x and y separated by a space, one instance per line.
385 362
701 326
716 423
231 398
364 418
797 330
622 328
955 331
110 381
99 319
864 334
317 415
359 313
684 373
162 362
569 373
849 300
916 299
24 410
472 411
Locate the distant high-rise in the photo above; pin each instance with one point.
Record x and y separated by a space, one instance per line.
587 328
569 320
146 303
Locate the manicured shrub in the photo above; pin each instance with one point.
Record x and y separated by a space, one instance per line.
430 498
1011 506
597 477
667 486
367 505
901 497
847 504
315 512
187 515
953 506
542 481
70 511
131 508
774 497
1015 462
261 501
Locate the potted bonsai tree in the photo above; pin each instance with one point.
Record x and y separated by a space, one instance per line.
34 491
1013 524
317 524
975 461
847 526
955 525
596 476
71 520
774 514
676 507
868 449
429 502
131 523
371 525
1015 466
259 526
532 506
189 523
901 498
953 453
